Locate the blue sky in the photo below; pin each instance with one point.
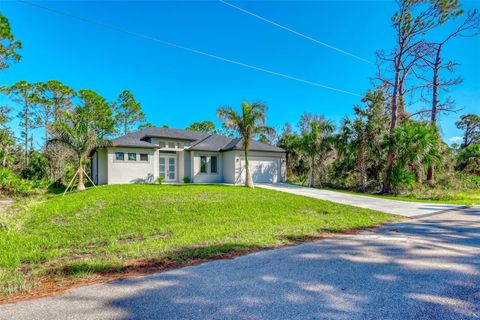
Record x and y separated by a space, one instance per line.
177 87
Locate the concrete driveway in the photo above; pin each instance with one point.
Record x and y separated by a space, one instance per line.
427 268
401 208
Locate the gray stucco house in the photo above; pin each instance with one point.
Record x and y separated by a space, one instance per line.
145 155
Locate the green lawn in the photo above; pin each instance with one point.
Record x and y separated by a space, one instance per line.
109 227
467 198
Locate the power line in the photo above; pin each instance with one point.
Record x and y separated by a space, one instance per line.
296 32
171 44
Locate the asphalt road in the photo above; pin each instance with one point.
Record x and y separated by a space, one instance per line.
401 208
421 269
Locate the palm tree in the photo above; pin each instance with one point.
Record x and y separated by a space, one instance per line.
417 145
73 131
248 124
290 142
84 129
317 143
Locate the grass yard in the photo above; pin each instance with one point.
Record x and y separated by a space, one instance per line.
468 198
112 228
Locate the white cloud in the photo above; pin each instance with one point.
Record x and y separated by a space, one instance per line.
455 140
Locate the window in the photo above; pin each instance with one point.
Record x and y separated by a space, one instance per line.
143 157
119 156
132 156
203 164
213 165
162 167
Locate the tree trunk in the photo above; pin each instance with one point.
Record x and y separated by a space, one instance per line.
436 67
4 160
418 170
248 176
430 175
312 175
362 183
81 185
387 185
46 132
26 133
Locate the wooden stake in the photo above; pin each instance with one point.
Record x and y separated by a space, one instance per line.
86 174
71 181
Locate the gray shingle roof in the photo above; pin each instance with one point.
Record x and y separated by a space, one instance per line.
173 133
237 144
201 141
131 140
213 142
137 139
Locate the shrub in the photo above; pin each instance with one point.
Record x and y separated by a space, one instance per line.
468 159
13 185
186 180
160 180
36 168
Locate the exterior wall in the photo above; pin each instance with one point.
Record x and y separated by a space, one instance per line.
187 165
100 167
130 171
94 167
207 177
180 165
229 166
156 165
170 144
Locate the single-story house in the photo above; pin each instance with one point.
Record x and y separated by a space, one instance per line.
145 155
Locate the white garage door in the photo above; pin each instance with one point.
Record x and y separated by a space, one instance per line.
263 169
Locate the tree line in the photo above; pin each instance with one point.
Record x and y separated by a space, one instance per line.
68 118
385 146
74 124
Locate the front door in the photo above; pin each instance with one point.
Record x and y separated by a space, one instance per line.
168 168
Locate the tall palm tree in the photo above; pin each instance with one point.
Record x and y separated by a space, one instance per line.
317 143
248 124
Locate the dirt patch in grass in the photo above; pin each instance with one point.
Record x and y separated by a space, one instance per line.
308 211
141 238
